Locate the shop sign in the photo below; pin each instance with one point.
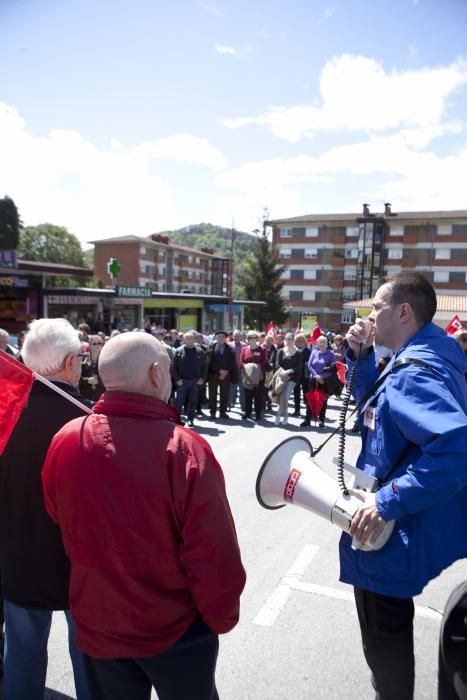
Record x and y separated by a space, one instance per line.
8 258
168 303
134 292
68 299
14 282
308 322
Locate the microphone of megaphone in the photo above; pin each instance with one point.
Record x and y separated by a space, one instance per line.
290 475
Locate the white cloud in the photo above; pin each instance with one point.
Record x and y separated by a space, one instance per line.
185 148
232 50
95 192
357 94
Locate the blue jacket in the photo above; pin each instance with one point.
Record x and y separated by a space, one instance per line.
421 429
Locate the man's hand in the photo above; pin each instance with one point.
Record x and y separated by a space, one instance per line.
223 373
367 524
179 382
361 333
200 381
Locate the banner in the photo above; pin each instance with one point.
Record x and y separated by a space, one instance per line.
454 325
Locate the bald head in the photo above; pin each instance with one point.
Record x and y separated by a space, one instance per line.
136 362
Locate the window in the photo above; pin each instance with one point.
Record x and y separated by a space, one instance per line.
311 253
309 295
298 253
347 316
285 252
312 232
296 274
351 231
396 230
440 276
442 254
395 253
310 274
285 233
295 296
351 253
444 230
143 250
350 274
285 275
190 274
190 259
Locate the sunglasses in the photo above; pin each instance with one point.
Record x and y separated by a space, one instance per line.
84 357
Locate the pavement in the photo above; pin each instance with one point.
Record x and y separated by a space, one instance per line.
298 635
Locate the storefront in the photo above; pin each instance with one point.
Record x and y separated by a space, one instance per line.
19 302
183 313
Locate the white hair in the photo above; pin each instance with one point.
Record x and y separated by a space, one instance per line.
4 334
47 343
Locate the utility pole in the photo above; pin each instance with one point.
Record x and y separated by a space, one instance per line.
231 275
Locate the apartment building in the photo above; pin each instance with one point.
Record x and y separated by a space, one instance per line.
336 258
156 263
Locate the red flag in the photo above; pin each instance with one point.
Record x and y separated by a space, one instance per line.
341 371
270 328
454 325
297 328
315 335
16 383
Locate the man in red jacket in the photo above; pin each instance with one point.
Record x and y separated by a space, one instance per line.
156 573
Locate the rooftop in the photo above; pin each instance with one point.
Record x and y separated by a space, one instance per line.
446 302
395 216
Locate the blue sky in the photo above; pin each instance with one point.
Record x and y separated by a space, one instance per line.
130 117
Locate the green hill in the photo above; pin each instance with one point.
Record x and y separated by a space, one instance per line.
219 239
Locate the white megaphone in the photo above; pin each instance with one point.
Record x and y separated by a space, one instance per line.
290 475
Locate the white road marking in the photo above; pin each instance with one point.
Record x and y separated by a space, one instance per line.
292 581
280 595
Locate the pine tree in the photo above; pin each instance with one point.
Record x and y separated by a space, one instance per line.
260 277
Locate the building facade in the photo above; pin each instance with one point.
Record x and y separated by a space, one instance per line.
156 263
337 258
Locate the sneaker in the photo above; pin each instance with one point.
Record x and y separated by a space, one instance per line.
277 420
305 424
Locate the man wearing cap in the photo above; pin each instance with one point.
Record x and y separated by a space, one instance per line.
222 370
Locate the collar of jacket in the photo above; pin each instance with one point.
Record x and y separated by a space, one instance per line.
125 403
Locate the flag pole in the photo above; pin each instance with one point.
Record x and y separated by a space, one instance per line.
57 389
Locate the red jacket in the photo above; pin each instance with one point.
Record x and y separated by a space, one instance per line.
145 521
258 356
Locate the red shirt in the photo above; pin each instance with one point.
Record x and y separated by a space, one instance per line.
145 521
258 356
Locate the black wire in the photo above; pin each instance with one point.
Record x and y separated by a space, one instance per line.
347 394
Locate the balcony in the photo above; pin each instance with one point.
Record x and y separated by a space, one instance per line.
408 262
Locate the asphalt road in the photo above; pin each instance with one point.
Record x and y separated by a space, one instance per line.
298 634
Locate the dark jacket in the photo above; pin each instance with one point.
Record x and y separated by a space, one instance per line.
293 362
92 392
216 361
200 363
35 569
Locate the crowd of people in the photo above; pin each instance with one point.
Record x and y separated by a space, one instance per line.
114 512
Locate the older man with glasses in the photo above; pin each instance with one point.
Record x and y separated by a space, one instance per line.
34 567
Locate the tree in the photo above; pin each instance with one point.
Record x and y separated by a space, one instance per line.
9 224
55 244
260 277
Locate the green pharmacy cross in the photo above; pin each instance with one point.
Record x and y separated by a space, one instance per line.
113 268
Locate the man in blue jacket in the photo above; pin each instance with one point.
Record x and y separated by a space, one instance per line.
414 437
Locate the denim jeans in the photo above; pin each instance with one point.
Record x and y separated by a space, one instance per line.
233 395
189 389
283 409
25 663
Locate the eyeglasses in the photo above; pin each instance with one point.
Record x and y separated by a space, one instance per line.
96 343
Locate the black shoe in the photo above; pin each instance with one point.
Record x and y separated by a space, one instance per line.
296 414
321 424
190 424
213 415
305 424
246 416
258 419
224 416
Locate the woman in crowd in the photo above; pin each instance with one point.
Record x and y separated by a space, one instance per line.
301 343
271 359
90 385
253 379
290 360
320 368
